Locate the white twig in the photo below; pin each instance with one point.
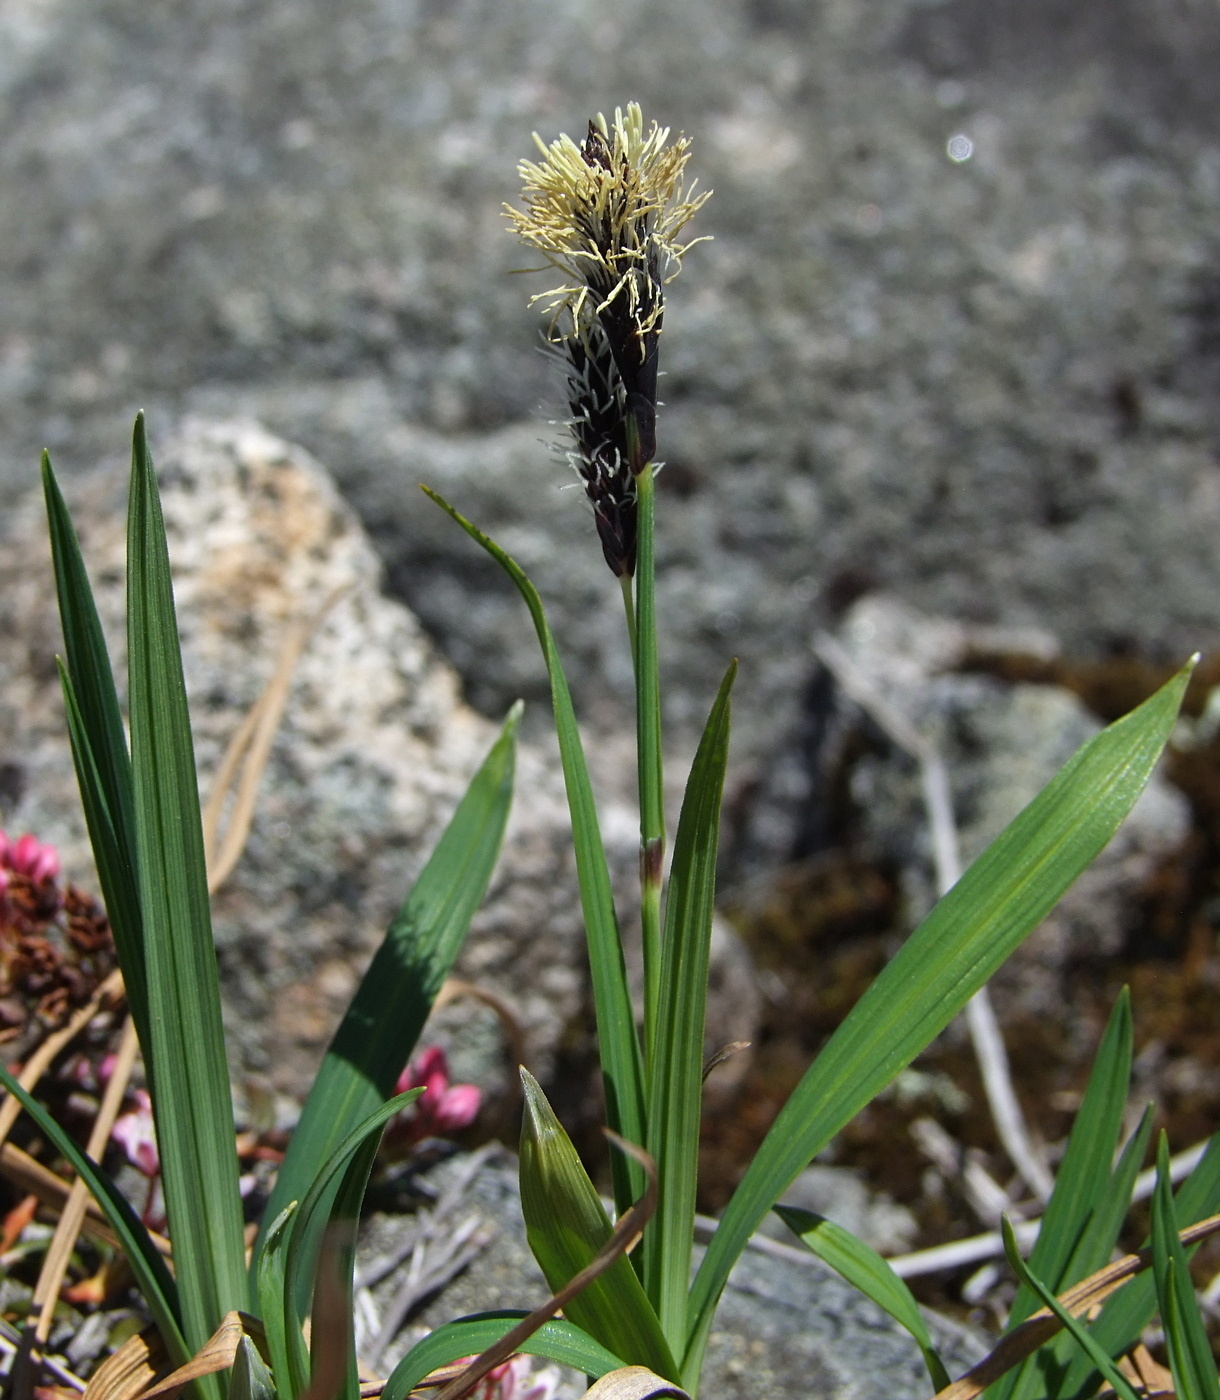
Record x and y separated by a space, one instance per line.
972 1251
975 1250
981 1020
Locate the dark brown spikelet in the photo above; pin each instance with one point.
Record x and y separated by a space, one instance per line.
601 457
607 214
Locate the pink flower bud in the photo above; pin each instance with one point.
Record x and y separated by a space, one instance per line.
28 856
457 1108
136 1135
443 1107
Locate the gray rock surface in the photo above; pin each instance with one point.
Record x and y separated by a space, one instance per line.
785 1327
375 749
988 382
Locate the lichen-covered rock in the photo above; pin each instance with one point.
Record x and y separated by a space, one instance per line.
986 382
374 751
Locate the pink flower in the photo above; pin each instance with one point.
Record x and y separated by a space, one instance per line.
27 856
516 1379
136 1135
442 1108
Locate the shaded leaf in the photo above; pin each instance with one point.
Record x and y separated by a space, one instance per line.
866 1270
557 1340
566 1225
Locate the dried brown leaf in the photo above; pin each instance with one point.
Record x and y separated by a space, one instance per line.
633 1383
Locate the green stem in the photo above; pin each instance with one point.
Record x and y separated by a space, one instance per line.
648 741
625 583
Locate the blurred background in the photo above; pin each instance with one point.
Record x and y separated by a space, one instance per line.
952 353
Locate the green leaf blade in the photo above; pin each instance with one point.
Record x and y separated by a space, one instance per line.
557 1340
1004 894
250 1379
383 1023
338 1168
285 1344
1078 1332
191 1097
1190 1353
618 1041
566 1225
1125 1314
866 1270
1081 1185
675 1090
99 746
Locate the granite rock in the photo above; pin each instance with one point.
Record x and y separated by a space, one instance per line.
988 382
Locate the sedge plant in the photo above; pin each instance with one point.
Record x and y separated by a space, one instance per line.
609 213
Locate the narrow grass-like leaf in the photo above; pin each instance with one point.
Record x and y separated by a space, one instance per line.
99 746
192 1104
648 749
250 1379
1008 890
1190 1353
1054 1361
1081 1184
153 1278
1100 1238
675 1084
1076 1329
1126 1313
285 1344
332 1342
557 1340
113 860
381 1026
866 1270
320 1196
566 1225
618 1041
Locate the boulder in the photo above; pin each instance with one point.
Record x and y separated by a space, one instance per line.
956 335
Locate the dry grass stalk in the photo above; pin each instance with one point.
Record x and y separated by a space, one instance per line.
30 1175
63 1242
633 1383
130 1371
245 759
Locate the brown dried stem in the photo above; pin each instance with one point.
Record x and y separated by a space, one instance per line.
39 1062
245 759
624 1238
1037 1330
67 1230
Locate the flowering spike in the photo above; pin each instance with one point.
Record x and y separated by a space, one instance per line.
607 214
